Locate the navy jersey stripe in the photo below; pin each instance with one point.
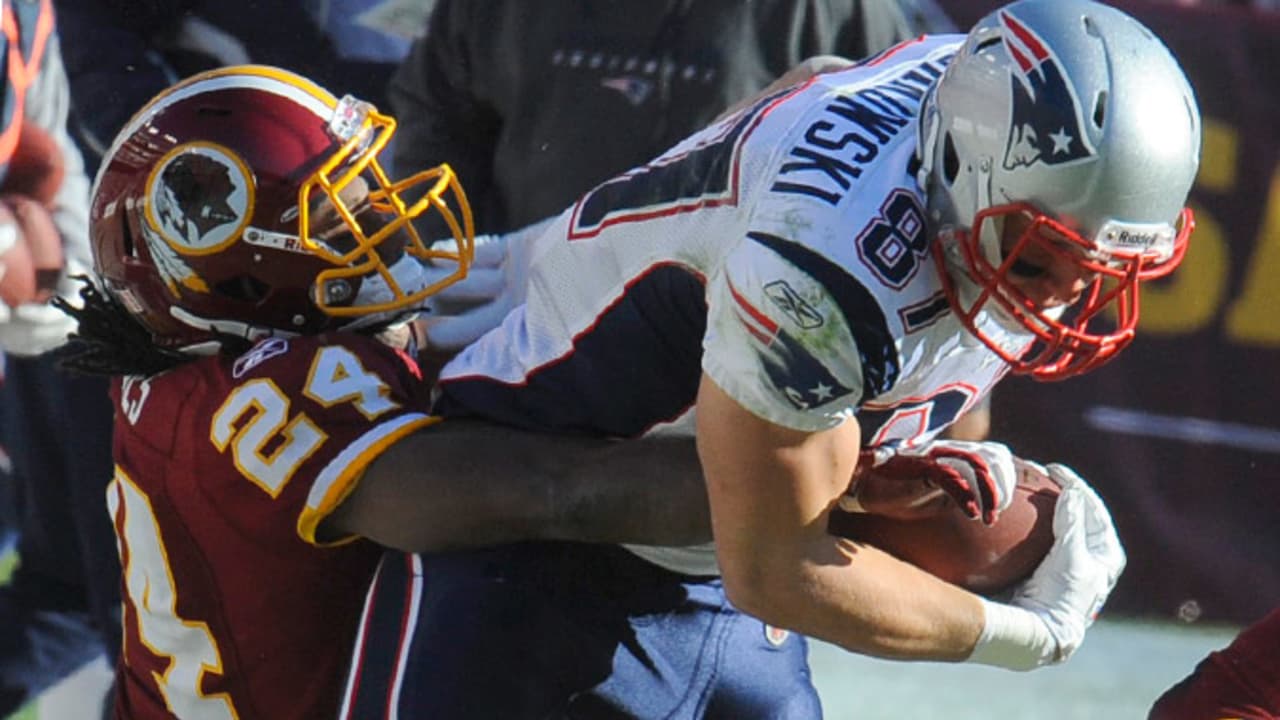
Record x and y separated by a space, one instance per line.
705 175
861 312
637 366
375 664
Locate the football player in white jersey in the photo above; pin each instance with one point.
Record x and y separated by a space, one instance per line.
847 264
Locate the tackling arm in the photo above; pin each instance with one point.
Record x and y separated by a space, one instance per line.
467 483
771 490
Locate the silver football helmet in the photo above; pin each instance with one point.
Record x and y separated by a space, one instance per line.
1075 116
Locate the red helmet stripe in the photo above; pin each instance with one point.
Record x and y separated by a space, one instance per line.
1027 39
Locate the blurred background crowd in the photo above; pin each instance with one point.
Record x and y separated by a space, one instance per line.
1182 438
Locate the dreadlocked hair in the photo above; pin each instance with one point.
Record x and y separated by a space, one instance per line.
109 340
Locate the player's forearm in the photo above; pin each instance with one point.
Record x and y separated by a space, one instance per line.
467 484
797 576
790 572
861 599
771 491
647 491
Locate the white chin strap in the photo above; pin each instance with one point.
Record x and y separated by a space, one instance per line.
233 328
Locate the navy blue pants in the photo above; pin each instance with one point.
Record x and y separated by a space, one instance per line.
566 630
62 608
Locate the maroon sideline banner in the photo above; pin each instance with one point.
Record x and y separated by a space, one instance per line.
1181 434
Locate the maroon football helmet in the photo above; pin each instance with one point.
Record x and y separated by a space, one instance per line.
247 202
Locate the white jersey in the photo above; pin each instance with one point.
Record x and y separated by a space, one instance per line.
782 251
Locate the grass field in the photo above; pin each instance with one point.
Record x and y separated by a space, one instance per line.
1120 670
1123 667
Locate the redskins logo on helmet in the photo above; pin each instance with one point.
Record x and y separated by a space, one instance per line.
249 202
198 198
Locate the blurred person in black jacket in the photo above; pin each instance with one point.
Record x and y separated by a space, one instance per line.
534 103
126 51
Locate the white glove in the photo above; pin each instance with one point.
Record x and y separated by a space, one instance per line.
979 476
496 283
1047 616
33 328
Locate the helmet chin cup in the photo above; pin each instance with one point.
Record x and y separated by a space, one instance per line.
1061 341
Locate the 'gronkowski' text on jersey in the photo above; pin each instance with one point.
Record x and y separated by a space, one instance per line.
851 133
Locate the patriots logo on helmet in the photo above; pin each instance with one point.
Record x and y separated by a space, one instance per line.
199 199
1046 125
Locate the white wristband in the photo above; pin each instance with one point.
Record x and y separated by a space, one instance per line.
1013 638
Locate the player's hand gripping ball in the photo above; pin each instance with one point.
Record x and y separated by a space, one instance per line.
30 251
30 247
36 167
939 538
979 477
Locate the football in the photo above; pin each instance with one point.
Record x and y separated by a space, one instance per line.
33 261
17 271
965 552
36 167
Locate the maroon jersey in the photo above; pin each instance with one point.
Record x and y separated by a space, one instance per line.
1241 682
234 607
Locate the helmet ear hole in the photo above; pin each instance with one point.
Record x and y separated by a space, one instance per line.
1100 109
242 288
950 161
128 247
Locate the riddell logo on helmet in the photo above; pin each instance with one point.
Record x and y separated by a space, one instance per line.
274 240
1117 236
1133 238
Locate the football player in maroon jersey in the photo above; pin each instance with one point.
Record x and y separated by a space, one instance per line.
256 272
1240 681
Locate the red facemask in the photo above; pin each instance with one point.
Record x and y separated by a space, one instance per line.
1065 341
